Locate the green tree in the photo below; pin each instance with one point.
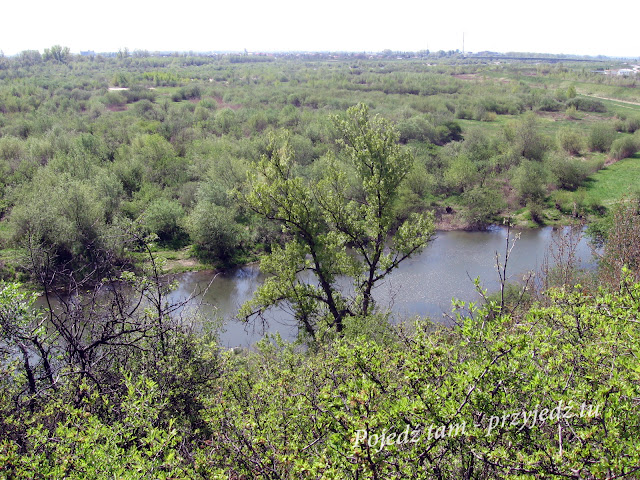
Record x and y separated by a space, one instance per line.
321 221
526 139
57 53
529 180
214 231
163 217
29 57
483 205
461 174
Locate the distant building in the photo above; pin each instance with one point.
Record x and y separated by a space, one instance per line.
88 53
621 72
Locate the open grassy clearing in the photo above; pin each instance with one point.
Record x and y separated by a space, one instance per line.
609 185
621 107
628 93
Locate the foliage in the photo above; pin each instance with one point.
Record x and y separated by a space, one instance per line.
586 104
569 172
163 218
620 234
526 139
529 180
323 220
483 206
623 147
184 119
463 391
214 231
57 53
601 136
135 445
570 141
65 217
460 174
111 379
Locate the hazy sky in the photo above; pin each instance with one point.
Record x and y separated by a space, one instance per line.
549 26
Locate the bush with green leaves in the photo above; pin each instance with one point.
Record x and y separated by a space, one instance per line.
619 233
632 124
82 445
586 104
214 231
623 147
601 136
550 104
529 179
165 218
482 206
525 138
60 213
416 128
571 141
568 172
466 397
461 174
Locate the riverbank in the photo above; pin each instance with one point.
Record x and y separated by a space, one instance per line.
184 260
422 285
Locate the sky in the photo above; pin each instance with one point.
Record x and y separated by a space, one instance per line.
544 26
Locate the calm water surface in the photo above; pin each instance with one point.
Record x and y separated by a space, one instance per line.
423 285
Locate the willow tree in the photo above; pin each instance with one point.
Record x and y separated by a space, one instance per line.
343 226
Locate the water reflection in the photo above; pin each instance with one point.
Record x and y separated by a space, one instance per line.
423 285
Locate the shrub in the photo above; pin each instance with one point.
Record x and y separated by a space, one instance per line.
570 141
623 147
566 202
415 128
489 117
526 138
549 104
572 113
483 205
633 124
164 217
137 93
529 179
214 231
587 104
536 209
461 174
114 99
569 173
601 136
622 242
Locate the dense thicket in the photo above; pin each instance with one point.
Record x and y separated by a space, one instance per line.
163 140
104 159
549 391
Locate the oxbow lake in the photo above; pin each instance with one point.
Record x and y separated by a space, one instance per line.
423 285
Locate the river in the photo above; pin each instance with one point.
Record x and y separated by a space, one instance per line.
423 285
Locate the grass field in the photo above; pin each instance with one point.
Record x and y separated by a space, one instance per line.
610 184
620 106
